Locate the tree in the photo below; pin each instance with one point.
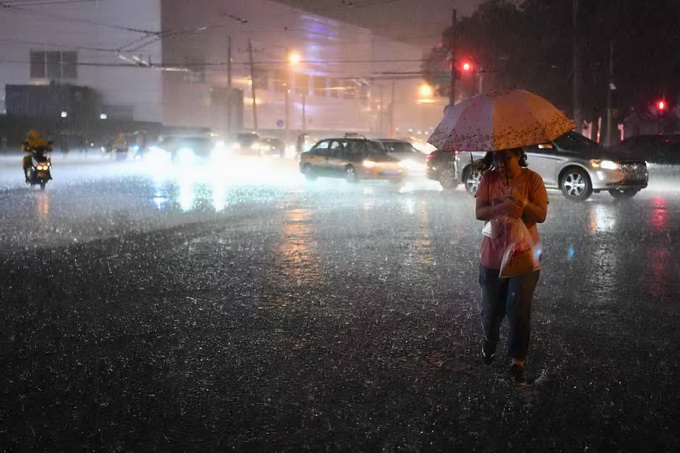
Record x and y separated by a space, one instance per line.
528 44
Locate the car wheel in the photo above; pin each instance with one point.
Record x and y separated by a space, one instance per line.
308 172
575 184
471 179
447 178
623 193
351 174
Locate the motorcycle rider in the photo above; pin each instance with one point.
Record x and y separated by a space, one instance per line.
33 145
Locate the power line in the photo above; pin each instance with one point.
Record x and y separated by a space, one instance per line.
10 3
20 10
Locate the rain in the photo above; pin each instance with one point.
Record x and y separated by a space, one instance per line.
156 297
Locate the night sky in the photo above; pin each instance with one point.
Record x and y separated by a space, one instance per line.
418 22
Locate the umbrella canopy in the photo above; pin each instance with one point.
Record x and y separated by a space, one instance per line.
500 120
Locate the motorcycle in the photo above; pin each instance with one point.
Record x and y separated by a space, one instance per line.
40 170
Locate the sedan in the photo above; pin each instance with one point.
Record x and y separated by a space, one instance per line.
571 163
352 159
409 156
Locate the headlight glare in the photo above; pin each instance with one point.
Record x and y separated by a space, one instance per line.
368 164
609 165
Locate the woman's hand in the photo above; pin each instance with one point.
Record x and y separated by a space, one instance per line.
510 208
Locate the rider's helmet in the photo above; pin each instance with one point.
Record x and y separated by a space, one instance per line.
34 140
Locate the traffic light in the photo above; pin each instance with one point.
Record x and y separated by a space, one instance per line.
464 68
661 105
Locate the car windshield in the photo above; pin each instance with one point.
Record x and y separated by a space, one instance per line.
246 139
574 141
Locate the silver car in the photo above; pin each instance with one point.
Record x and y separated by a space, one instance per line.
571 163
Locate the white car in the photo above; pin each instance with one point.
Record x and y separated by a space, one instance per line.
410 157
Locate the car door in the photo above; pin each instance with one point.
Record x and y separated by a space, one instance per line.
336 158
317 157
544 160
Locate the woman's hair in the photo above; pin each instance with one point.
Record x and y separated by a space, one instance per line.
486 163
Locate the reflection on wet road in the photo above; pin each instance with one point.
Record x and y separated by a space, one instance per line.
272 303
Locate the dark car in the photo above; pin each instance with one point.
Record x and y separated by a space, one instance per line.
272 147
572 163
187 150
656 149
247 144
352 159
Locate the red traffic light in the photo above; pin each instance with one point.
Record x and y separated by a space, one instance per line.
661 105
466 66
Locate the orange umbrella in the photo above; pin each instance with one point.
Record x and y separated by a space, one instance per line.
500 120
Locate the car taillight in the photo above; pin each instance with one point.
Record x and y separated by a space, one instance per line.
431 155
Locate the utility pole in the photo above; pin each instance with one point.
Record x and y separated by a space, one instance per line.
576 68
381 110
252 83
391 135
287 99
304 113
229 131
610 88
452 88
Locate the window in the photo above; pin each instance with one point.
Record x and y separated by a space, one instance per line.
280 81
321 146
349 90
54 65
334 88
260 78
319 86
302 84
196 67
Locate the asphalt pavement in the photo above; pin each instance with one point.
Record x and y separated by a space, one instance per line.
240 307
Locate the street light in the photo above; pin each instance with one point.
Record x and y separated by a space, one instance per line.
293 58
426 91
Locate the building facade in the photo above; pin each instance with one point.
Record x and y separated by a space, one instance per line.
230 66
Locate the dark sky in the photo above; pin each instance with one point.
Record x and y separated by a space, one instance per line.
418 22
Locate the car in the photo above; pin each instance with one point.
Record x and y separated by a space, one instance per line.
571 163
352 159
272 147
656 149
186 150
247 144
410 157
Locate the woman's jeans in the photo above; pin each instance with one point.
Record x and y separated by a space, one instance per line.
512 297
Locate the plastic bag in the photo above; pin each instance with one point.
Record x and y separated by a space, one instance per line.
521 255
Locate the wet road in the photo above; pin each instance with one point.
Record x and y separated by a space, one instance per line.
249 309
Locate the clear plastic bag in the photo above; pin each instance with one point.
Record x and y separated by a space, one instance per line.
521 255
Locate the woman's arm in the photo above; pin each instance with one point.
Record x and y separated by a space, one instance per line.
534 212
508 208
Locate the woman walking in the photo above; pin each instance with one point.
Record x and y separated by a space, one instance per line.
507 192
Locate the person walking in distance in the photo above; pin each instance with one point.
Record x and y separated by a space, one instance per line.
508 190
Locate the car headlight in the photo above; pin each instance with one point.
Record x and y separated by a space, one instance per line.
409 163
185 155
605 164
368 164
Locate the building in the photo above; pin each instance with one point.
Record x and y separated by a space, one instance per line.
225 65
